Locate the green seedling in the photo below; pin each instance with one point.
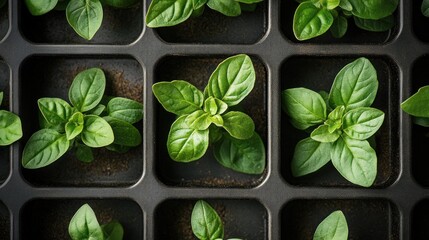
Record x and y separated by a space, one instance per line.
165 13
10 126
418 107
206 223
340 123
333 227
315 17
84 225
204 118
91 121
84 16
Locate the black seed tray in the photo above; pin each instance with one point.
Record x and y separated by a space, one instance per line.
153 196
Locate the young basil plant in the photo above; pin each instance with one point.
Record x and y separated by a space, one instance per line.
84 225
206 223
10 126
340 125
204 118
165 13
417 106
333 227
89 122
315 17
84 16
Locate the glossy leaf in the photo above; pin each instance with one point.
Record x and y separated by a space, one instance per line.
232 80
55 111
362 123
198 120
373 9
87 89
214 106
335 119
346 5
310 156
238 124
96 132
322 134
355 85
425 8
84 153
124 133
217 120
74 126
245 156
10 128
230 8
355 160
178 97
305 107
333 227
113 231
310 21
417 104
120 3
85 17
40 7
379 25
186 144
328 4
125 109
84 225
43 148
206 223
98 110
164 13
339 27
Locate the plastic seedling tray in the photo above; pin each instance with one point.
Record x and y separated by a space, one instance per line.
151 195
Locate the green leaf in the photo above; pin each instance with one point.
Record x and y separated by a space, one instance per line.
355 85
232 80
164 13
424 122
43 148
96 132
40 7
206 223
346 5
362 123
10 128
339 27
305 107
198 12
214 106
379 25
217 120
55 111
328 4
238 124
74 126
113 231
98 110
186 144
355 160
178 97
335 119
310 21
198 120
215 134
85 17
124 133
84 225
1 98
417 104
197 4
425 8
373 9
84 153
333 227
87 89
309 156
322 134
230 8
120 3
245 156
125 109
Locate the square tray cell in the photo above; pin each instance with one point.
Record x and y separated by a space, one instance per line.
419 134
420 22
213 27
4 222
366 218
205 172
4 20
318 73
354 34
119 26
5 105
48 219
43 76
244 219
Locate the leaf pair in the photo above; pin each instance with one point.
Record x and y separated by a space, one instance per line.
315 17
84 225
10 126
201 115
341 135
165 13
